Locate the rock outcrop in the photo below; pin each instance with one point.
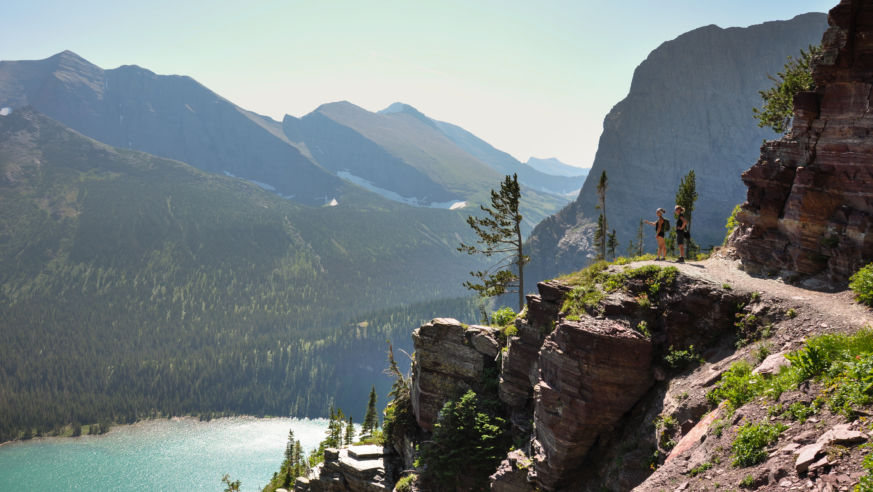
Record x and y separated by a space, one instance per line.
357 469
689 107
450 358
567 383
809 210
591 373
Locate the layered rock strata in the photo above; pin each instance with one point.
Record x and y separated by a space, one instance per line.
450 358
568 384
519 368
358 469
591 373
809 209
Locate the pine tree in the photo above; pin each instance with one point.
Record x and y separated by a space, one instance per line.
350 433
289 447
611 244
686 195
778 108
499 234
371 419
602 223
599 236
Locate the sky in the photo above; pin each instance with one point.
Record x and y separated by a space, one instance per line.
532 78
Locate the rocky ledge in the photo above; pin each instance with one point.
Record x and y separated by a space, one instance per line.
365 468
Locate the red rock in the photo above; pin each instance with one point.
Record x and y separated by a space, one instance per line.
587 382
809 208
690 439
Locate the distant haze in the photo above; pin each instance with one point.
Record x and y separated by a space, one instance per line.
530 78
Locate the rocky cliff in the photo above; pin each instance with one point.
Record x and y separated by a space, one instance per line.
612 391
809 209
689 107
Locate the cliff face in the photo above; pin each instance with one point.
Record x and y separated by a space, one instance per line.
689 107
809 209
568 381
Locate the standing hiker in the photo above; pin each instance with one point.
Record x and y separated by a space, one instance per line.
682 233
662 225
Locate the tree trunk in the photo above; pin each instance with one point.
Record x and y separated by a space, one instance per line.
520 268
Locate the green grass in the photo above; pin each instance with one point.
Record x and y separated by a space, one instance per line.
842 364
590 285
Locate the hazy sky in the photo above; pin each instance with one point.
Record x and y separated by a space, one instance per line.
533 78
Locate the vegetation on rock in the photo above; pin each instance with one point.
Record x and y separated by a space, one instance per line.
842 364
469 440
749 447
778 101
861 284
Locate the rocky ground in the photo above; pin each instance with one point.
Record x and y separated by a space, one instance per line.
821 452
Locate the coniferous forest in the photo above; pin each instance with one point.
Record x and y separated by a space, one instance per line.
135 287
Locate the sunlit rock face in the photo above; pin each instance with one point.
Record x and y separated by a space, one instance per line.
810 195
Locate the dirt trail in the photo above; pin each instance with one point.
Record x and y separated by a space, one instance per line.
830 311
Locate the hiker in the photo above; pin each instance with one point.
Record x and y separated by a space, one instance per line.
662 225
682 234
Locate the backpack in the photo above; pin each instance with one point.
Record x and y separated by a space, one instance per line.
666 226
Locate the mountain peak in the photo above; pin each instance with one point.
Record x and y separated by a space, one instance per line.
403 108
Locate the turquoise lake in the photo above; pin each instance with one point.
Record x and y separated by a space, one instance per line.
157 455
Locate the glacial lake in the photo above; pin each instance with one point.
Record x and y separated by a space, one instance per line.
161 455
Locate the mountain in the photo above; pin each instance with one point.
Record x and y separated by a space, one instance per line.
689 108
326 155
406 156
168 116
555 167
133 284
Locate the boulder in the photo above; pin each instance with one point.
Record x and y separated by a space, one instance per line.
772 364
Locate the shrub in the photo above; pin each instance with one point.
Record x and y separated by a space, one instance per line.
678 359
737 386
861 284
749 447
747 482
503 317
468 442
697 470
853 385
732 222
643 328
405 483
866 483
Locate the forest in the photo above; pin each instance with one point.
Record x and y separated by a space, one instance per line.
134 286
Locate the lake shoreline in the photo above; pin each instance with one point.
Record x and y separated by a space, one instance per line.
179 453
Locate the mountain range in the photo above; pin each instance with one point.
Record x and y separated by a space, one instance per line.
689 108
398 153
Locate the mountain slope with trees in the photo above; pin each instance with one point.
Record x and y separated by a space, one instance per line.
134 285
